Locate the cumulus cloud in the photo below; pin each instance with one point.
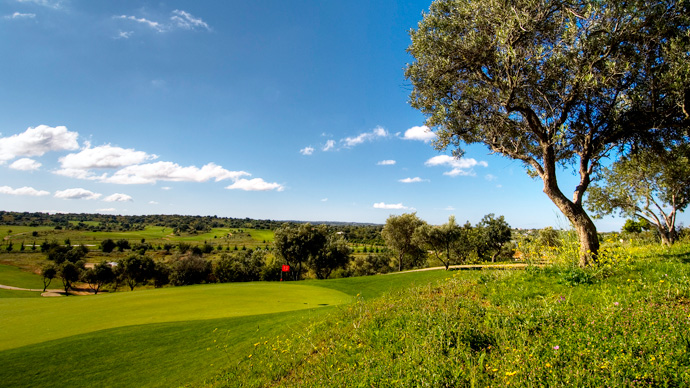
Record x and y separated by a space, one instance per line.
324 199
330 144
18 15
36 141
186 21
24 191
105 156
490 177
412 180
422 133
153 203
386 163
169 171
256 184
118 197
77 193
461 166
376 133
394 206
306 151
106 210
25 164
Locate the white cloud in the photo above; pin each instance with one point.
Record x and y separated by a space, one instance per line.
118 197
422 133
149 23
77 193
306 151
490 177
413 180
37 141
395 206
386 163
18 15
169 171
105 156
79 174
179 20
324 200
186 21
461 166
449 208
45 3
25 164
329 145
30 191
124 34
153 203
106 210
166 188
256 184
367 136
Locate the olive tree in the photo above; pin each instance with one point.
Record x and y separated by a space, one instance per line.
553 84
398 234
440 239
652 185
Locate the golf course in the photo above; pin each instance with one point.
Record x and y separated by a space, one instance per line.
160 337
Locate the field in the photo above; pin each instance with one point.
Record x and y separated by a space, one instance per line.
162 337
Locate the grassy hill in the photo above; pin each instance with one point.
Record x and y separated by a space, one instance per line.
624 323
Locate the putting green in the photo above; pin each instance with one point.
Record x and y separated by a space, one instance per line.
31 321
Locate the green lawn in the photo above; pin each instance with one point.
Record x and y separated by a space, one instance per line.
30 321
13 276
165 337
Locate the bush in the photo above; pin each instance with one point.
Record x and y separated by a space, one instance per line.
190 270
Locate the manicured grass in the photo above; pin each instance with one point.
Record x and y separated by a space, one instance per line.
31 321
13 276
76 348
155 355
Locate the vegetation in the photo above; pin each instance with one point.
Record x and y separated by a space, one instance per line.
623 322
558 83
652 185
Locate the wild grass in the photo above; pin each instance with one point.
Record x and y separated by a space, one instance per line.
624 323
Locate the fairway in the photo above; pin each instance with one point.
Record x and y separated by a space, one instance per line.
31 321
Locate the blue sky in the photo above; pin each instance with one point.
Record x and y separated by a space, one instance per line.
284 110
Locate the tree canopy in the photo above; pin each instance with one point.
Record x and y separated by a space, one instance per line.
553 83
651 184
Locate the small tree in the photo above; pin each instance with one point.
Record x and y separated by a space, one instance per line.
398 233
652 185
439 239
495 233
335 253
136 269
48 272
99 275
69 273
108 245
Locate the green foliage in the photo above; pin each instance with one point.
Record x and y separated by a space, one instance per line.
651 185
398 233
108 245
189 270
553 83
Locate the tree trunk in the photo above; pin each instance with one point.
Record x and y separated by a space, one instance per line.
576 214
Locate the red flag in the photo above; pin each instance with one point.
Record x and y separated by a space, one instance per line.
286 268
